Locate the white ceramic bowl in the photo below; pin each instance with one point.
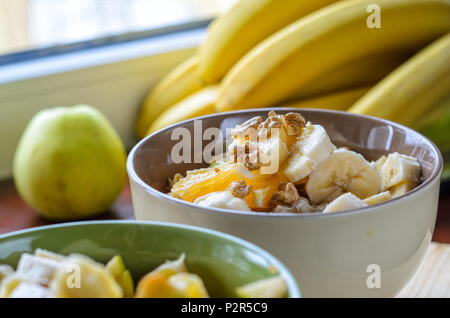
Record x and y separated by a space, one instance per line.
330 255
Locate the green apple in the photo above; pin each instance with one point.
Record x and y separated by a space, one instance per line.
69 163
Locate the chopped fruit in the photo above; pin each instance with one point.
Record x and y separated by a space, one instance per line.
399 168
30 290
380 162
188 285
222 200
79 276
199 183
378 198
347 201
288 165
402 188
117 268
344 171
262 197
95 281
313 147
274 287
5 270
171 280
36 269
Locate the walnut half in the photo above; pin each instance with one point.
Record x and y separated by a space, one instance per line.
239 189
293 123
286 195
247 128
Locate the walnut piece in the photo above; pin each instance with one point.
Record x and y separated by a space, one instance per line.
286 195
252 161
246 128
272 121
302 205
239 189
293 123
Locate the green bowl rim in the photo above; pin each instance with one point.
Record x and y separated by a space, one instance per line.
292 285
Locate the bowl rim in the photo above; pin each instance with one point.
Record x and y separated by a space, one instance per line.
283 271
436 172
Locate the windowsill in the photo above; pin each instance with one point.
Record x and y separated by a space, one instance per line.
114 78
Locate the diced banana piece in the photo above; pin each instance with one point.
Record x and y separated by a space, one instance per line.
222 200
9 284
380 162
263 196
378 198
36 269
39 252
273 287
344 171
30 290
188 285
271 150
399 168
402 188
347 201
5 270
81 277
313 148
299 166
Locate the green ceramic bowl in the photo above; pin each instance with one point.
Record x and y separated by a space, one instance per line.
224 262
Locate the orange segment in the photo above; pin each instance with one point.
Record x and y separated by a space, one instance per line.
200 182
155 285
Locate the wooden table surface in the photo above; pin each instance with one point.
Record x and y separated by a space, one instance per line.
16 215
433 277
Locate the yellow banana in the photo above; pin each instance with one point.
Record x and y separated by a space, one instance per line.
362 72
438 111
340 100
198 104
325 39
408 92
246 24
176 85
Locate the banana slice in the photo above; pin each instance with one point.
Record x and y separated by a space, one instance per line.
30 290
347 201
313 148
399 168
9 284
378 198
39 270
402 188
5 270
273 287
222 200
380 162
344 171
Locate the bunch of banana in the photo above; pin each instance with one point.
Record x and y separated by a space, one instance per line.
412 88
313 53
178 84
